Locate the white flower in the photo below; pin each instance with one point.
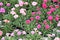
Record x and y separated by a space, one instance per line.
20 39
16 5
15 16
34 3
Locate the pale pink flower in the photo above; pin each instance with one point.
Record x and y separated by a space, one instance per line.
32 32
23 11
26 3
12 34
45 21
13 12
49 35
3 38
23 32
58 24
13 9
34 3
16 5
1 33
38 12
16 16
57 38
21 3
6 21
19 33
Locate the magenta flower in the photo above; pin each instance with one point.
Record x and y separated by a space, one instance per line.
1 4
37 17
31 18
45 1
49 12
8 4
55 0
44 5
38 26
50 18
2 10
28 21
47 26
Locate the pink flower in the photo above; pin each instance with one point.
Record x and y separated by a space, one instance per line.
33 13
38 26
2 10
47 26
52 9
16 30
50 18
1 33
8 4
21 3
16 5
24 32
56 6
55 0
18 33
31 18
34 3
1 4
45 1
37 17
38 12
49 12
44 5
57 18
28 21
32 32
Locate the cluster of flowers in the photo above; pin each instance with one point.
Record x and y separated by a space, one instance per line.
42 20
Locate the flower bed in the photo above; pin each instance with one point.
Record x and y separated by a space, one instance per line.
30 19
